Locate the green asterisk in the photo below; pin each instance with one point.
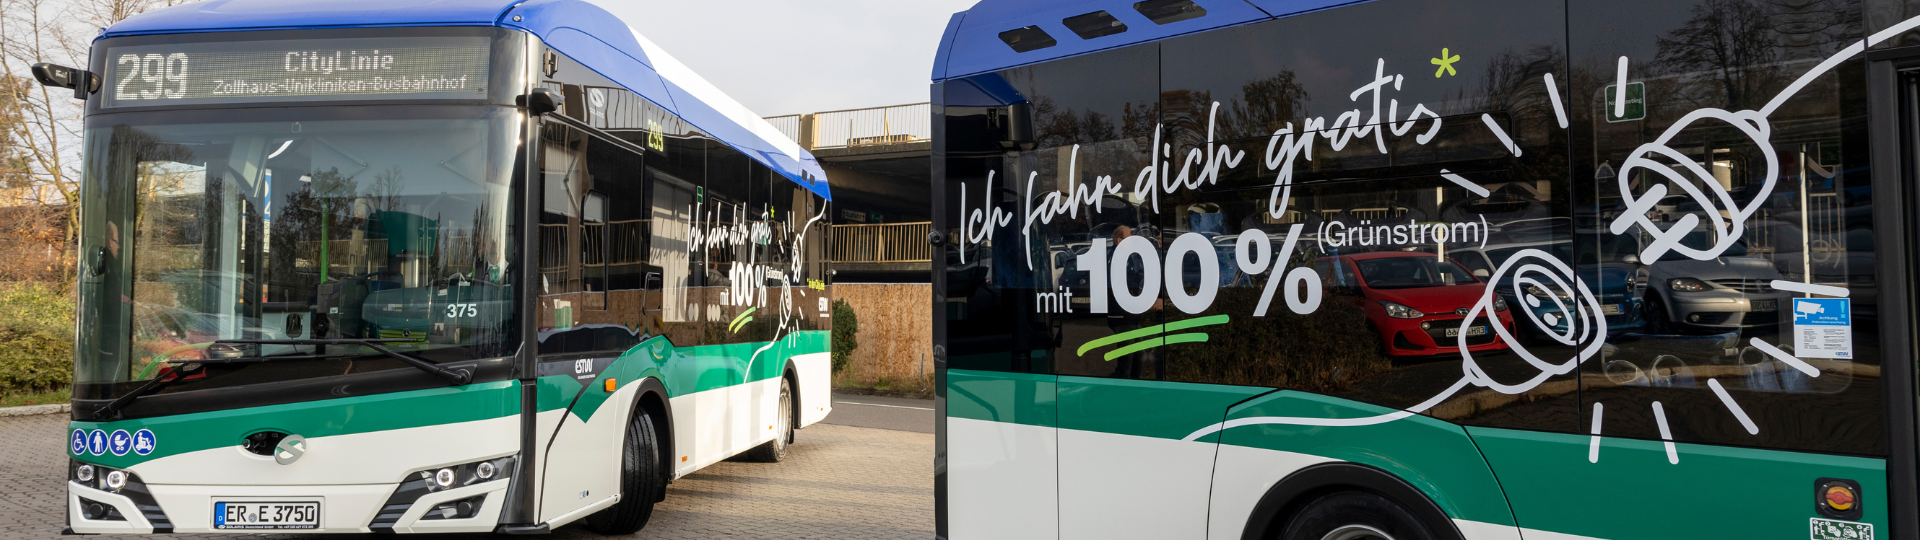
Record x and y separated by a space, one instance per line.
1446 63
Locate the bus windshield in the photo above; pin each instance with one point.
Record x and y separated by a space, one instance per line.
282 227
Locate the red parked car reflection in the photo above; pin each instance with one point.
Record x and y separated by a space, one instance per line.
1415 301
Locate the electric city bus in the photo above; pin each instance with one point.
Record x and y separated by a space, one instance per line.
1426 269
412 266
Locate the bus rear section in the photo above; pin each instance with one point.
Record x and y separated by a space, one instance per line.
420 279
1423 269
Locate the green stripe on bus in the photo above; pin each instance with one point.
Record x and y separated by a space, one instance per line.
1436 457
340 416
1017 398
1158 409
744 318
683 370
1713 492
1175 339
1151 331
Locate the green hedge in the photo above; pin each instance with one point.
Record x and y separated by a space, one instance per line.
36 337
846 326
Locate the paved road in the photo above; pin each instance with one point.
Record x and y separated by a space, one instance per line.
882 412
864 473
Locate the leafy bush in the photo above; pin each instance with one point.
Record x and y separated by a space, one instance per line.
33 361
36 338
846 326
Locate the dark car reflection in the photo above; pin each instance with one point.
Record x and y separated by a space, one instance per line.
1608 264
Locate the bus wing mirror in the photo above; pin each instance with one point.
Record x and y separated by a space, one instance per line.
1482 273
1018 127
81 81
541 101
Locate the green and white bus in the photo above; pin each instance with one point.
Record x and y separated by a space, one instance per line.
412 266
1427 269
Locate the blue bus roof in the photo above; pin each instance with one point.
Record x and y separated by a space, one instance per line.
581 30
972 43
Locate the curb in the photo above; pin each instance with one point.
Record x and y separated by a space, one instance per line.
34 410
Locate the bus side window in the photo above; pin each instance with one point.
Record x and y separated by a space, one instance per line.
591 252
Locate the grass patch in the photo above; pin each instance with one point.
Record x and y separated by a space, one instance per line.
905 385
48 397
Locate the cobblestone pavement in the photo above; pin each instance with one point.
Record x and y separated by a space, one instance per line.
839 482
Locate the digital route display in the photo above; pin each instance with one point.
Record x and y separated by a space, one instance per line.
296 70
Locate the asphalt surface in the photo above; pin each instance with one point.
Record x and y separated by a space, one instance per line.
866 472
898 414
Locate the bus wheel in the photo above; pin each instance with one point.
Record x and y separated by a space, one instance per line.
775 450
642 481
1354 515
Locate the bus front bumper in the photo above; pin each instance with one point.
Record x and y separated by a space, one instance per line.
343 508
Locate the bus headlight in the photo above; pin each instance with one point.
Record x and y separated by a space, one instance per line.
111 480
419 483
466 474
100 477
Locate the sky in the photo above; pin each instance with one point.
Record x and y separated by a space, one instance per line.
781 57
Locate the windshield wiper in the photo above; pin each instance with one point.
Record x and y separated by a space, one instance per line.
107 412
455 376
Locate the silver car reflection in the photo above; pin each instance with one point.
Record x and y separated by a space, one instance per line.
1730 292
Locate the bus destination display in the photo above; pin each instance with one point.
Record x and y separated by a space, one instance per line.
296 70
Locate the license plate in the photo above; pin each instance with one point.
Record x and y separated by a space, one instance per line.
1471 331
1766 305
1610 309
266 515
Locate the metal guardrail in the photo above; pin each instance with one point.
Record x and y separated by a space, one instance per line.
883 243
854 128
788 125
866 127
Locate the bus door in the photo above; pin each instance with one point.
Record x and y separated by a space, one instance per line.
1002 448
1726 150
588 332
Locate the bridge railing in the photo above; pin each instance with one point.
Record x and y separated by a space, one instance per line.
858 127
788 125
881 243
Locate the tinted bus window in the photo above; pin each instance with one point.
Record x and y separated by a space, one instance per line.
1720 231
592 249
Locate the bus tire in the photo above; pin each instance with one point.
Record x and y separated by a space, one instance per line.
642 481
1288 501
775 450
1354 515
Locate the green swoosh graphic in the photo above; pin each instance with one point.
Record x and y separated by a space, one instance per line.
1152 330
741 320
1193 337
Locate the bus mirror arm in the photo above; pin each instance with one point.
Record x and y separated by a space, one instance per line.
540 101
81 81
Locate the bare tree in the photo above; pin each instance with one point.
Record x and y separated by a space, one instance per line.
40 151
